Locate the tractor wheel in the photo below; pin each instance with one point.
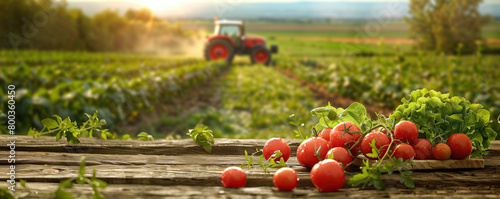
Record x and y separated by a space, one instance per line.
219 49
260 55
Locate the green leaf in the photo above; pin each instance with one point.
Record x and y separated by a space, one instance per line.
23 183
6 193
388 167
378 184
357 179
483 117
68 183
99 183
375 151
321 111
208 148
332 115
317 153
70 137
60 194
50 123
407 181
277 154
142 134
126 137
250 161
59 135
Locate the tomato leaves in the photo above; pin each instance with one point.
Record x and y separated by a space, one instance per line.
81 179
70 129
370 175
202 136
298 123
264 164
438 117
375 152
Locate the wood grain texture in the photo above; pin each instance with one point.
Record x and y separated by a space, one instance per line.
181 169
157 147
133 191
474 163
200 175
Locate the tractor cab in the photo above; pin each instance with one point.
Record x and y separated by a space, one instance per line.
229 38
233 29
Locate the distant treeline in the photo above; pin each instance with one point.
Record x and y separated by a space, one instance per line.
51 25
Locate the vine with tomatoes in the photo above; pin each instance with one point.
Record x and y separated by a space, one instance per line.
428 125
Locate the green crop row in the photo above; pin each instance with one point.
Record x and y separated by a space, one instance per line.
256 102
35 58
384 82
49 76
114 98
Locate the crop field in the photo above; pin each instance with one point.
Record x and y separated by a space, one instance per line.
115 86
161 96
166 96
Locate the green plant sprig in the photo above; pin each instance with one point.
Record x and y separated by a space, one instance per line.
70 129
298 123
264 164
141 136
81 179
202 136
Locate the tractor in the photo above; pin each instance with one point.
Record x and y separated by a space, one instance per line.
229 39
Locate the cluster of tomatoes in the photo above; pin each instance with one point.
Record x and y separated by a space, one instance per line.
345 141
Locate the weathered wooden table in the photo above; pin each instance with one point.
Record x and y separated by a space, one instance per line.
181 169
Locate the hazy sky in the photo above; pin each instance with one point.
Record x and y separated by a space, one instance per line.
198 8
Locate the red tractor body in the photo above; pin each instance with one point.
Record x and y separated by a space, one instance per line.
229 39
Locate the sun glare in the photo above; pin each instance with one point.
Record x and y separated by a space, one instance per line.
161 5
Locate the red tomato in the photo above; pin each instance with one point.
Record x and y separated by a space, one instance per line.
423 149
285 179
341 155
395 142
460 146
233 177
404 151
328 175
306 154
276 144
381 142
340 138
325 133
406 131
441 151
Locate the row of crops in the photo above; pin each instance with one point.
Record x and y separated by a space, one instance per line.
115 89
41 58
256 102
384 81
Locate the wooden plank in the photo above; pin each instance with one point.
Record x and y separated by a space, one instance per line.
132 191
474 163
222 146
209 175
73 159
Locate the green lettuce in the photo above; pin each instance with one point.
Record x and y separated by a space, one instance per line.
438 116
